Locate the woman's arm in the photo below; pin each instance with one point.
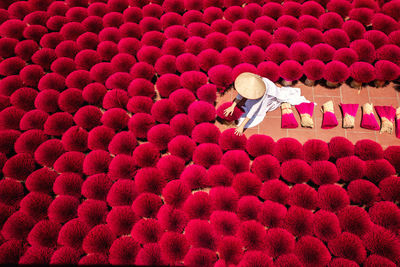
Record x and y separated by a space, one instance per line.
252 112
234 103
238 101
240 129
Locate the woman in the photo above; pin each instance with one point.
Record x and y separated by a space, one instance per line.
259 95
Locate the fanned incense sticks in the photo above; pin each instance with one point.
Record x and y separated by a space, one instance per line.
329 120
387 115
368 120
398 122
306 111
288 119
349 114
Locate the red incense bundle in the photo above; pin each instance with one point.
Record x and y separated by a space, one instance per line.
368 120
329 119
306 111
387 115
288 119
237 112
349 114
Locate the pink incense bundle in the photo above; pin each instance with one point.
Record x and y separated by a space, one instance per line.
349 114
288 119
329 119
398 122
387 115
237 112
306 111
368 120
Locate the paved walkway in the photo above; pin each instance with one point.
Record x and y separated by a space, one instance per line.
388 95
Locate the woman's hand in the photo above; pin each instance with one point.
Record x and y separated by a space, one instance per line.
229 111
239 130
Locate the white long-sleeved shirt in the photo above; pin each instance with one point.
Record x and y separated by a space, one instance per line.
256 109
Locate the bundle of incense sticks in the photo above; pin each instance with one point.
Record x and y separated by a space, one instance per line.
306 111
237 112
288 119
349 114
329 119
398 122
368 120
387 115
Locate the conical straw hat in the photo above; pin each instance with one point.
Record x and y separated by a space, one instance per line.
249 85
